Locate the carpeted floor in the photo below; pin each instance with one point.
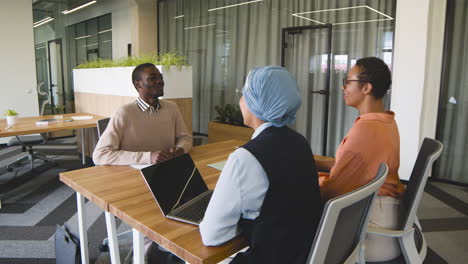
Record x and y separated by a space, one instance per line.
34 202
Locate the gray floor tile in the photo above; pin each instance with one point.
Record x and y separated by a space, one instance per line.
451 246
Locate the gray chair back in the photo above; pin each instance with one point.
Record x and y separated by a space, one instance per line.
343 223
428 153
102 125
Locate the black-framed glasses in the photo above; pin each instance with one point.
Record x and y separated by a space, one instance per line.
346 81
239 93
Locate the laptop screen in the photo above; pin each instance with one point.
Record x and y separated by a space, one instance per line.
168 179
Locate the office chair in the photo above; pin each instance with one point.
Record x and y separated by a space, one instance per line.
27 142
43 93
343 224
101 127
410 238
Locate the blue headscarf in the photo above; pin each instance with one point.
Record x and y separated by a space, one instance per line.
272 95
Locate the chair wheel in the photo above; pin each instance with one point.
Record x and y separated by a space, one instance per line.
103 248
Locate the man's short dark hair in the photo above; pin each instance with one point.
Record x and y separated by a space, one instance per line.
136 74
374 71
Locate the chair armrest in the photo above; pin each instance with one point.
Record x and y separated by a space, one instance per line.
417 223
388 232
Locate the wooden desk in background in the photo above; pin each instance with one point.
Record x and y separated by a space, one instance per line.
27 126
121 191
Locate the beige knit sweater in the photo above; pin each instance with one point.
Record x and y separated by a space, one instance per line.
132 135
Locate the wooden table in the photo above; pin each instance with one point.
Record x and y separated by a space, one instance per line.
121 191
27 125
103 185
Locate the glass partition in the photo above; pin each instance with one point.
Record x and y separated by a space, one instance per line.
452 122
60 47
223 40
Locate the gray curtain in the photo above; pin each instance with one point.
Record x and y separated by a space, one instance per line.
223 45
453 114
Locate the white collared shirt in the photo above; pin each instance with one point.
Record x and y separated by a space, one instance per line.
239 193
145 107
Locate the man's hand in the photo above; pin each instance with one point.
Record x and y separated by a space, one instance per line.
163 155
176 151
160 156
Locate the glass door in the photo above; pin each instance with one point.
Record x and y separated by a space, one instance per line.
56 79
42 74
306 53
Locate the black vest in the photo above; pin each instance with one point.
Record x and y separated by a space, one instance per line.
285 229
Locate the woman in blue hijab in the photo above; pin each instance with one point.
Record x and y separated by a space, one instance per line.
268 178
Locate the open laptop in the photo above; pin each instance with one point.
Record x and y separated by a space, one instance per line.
178 188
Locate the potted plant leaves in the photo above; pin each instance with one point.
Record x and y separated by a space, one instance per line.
229 124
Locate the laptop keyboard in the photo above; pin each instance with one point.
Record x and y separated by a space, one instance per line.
195 211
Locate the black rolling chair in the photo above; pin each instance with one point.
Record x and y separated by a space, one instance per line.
101 127
27 143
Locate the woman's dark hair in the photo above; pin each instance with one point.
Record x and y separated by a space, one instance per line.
374 71
136 74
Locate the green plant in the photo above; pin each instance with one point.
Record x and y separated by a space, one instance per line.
165 59
59 109
229 114
11 112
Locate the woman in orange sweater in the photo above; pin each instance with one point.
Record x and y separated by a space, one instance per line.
373 139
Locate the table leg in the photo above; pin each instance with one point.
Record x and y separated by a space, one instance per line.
83 155
112 235
82 226
138 247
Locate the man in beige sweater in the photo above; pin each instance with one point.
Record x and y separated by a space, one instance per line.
146 131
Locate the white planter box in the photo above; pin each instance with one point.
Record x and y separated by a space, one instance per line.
118 81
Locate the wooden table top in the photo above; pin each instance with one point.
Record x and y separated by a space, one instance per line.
27 125
105 184
122 191
184 240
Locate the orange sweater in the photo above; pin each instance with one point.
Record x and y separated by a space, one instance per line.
373 139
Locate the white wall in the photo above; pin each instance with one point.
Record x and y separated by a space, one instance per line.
17 59
416 74
435 46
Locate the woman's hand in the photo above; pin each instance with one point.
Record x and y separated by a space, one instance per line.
324 163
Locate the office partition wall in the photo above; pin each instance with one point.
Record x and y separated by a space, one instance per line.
452 125
223 40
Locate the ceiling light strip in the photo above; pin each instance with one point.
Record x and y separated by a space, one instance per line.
362 21
84 46
82 37
104 31
42 20
306 18
229 6
329 10
202 26
77 8
42 23
378 12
